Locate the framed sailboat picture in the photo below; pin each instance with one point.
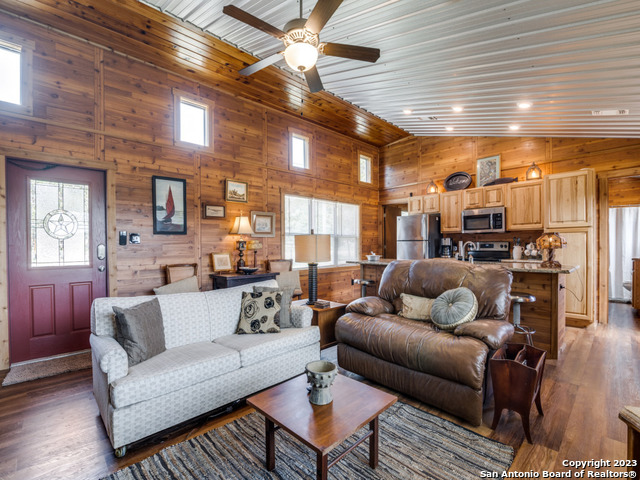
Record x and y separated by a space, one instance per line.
169 206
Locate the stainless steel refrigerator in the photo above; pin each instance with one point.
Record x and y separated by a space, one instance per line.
418 236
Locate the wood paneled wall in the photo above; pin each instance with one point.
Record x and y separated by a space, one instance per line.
93 104
407 166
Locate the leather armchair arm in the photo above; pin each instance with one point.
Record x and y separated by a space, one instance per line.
370 306
494 333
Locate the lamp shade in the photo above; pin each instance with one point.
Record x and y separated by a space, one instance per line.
313 248
301 56
241 226
550 240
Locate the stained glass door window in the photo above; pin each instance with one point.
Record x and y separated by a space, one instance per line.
59 224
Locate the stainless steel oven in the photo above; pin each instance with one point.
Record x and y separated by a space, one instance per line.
483 220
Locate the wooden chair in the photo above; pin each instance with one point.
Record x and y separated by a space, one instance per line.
181 271
287 277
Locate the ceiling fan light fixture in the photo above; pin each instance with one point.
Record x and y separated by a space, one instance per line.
301 56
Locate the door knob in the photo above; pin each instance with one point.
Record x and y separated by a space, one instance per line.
101 268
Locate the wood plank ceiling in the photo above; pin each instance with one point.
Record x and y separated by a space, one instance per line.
566 57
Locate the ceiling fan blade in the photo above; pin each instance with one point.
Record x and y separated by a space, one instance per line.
252 21
354 52
321 14
259 65
313 80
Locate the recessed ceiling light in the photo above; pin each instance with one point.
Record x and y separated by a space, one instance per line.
457 108
407 111
514 127
449 129
524 105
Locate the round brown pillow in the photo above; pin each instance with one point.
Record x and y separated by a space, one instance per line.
453 308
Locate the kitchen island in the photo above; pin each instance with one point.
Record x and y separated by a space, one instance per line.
546 315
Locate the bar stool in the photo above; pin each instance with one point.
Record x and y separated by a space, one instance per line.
364 283
517 299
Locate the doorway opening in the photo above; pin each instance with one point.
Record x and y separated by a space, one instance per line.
390 213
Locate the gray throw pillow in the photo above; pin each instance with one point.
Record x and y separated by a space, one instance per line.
140 331
453 308
284 315
186 285
258 312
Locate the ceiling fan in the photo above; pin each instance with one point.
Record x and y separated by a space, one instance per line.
302 42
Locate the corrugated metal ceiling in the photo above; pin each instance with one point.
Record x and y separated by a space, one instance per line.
566 57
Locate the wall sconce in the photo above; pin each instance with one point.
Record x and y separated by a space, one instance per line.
313 249
533 172
432 187
241 226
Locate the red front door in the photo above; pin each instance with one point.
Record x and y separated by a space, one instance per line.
56 256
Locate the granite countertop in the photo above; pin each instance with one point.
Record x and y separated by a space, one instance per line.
518 267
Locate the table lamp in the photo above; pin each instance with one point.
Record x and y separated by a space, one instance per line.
313 249
241 226
254 245
547 243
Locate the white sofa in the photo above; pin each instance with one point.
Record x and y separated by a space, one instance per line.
206 365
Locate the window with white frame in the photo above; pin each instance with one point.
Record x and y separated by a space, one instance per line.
340 220
192 120
15 79
365 168
299 151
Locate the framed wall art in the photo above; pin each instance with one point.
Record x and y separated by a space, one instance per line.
213 211
236 191
263 224
169 205
487 170
221 262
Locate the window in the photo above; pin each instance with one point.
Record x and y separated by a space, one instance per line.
192 120
340 220
299 150
15 80
365 169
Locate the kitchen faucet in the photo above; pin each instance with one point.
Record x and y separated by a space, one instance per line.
472 246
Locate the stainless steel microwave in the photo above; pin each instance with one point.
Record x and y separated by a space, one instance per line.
483 220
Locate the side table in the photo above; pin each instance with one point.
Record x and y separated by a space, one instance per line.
326 319
516 374
228 280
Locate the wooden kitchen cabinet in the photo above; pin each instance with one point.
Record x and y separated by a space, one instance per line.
431 203
473 198
450 212
414 205
524 205
495 195
569 199
580 298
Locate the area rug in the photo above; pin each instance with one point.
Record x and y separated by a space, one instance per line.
413 445
47 368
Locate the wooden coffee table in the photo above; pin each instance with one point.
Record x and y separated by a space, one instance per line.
322 427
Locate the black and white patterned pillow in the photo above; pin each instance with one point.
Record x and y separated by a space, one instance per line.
259 312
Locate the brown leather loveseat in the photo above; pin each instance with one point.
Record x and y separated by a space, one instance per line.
444 369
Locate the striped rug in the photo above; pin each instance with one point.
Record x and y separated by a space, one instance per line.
413 445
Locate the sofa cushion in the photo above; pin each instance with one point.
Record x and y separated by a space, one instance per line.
257 348
172 370
416 308
186 285
140 331
258 312
453 308
416 345
284 315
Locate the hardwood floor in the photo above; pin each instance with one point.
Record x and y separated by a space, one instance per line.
51 429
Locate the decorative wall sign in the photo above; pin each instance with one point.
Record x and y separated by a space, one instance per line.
169 206
487 170
457 181
263 224
236 191
213 211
